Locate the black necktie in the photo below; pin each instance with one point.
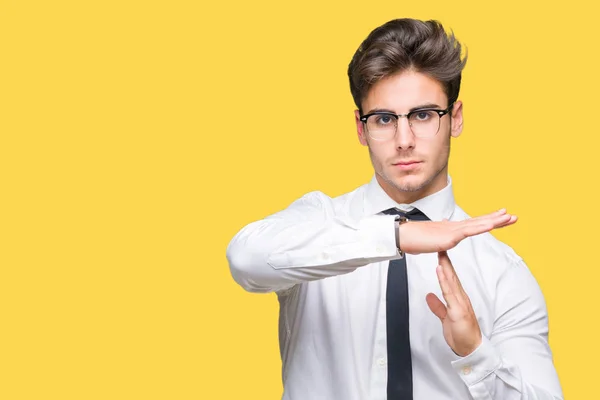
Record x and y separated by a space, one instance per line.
399 383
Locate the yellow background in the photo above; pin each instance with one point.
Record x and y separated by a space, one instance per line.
137 137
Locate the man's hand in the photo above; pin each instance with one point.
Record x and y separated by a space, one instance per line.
461 329
432 236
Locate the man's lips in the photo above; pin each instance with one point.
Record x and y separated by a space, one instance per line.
405 162
407 165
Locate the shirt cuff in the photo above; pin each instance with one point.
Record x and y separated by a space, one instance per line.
479 364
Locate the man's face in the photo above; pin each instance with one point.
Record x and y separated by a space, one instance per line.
427 170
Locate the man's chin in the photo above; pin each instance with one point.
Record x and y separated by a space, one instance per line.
408 183
409 187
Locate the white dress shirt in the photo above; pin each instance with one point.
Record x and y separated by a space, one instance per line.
327 260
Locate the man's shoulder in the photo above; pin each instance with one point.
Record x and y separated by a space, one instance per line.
338 202
489 245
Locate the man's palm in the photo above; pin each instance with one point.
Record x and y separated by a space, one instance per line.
434 236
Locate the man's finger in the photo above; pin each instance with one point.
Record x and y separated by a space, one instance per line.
445 262
447 290
494 219
512 220
451 276
436 306
484 226
490 215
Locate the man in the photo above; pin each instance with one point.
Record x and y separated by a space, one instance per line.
360 278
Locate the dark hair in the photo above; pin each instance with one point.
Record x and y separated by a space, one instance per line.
407 44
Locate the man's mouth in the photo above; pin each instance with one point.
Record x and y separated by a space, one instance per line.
407 164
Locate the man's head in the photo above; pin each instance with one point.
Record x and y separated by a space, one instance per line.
408 66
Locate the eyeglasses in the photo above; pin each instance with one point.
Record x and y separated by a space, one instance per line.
424 122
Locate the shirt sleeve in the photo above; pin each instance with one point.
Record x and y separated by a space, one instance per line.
307 241
515 363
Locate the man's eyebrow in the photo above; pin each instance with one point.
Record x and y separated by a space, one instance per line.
383 110
419 107
426 105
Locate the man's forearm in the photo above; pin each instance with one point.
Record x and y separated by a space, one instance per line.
290 248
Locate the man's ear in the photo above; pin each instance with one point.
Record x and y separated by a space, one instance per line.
360 128
457 119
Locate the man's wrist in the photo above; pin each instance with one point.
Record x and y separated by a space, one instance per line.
398 223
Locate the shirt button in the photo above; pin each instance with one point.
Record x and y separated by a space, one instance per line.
466 370
379 249
381 361
325 256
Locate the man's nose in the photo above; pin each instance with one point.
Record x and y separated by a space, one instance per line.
405 139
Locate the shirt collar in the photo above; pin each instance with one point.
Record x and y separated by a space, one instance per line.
436 207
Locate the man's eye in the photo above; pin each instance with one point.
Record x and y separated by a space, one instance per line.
384 120
423 116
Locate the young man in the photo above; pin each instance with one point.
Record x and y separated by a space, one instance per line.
360 277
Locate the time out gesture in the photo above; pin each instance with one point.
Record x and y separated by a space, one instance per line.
459 322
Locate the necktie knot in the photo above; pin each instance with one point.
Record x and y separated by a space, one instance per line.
414 214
